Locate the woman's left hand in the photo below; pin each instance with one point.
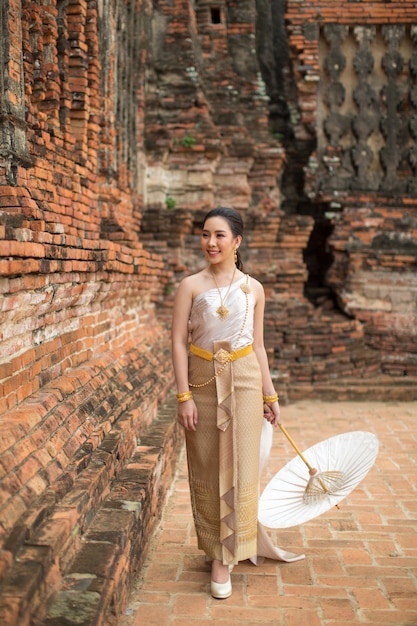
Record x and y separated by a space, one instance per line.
272 413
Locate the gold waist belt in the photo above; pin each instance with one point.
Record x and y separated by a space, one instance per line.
222 355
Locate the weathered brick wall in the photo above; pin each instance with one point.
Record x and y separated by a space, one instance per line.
219 104
78 289
84 355
354 68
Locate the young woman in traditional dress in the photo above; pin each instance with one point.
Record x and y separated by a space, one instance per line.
225 392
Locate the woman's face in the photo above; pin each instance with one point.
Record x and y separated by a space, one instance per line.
217 240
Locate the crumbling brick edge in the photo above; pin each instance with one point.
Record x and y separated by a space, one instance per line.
76 565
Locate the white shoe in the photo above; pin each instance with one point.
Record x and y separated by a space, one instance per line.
221 590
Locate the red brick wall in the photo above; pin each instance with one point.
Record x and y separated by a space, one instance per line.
81 342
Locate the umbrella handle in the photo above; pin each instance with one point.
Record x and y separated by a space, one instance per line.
313 470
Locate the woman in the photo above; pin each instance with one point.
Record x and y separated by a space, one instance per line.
223 385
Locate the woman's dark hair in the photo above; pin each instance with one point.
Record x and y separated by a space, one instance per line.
235 222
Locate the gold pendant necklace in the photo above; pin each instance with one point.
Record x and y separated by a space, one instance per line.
223 311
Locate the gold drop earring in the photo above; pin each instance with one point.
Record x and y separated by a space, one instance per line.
235 255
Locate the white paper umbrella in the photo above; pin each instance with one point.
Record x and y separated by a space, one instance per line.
295 495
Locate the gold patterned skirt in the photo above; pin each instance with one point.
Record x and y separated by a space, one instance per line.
223 456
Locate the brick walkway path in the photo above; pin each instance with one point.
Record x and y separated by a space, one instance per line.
361 560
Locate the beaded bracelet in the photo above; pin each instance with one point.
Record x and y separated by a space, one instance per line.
184 396
271 399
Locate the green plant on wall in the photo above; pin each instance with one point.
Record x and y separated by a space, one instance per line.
170 203
188 141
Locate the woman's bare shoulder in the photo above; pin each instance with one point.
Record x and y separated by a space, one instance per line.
194 283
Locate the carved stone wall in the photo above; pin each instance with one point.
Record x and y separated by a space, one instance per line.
366 108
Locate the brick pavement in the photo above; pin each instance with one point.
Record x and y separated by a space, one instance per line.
361 560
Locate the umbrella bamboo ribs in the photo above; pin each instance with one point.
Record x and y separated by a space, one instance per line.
320 483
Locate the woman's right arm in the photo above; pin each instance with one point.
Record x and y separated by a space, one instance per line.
187 411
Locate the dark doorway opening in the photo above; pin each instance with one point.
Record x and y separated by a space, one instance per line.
216 15
317 256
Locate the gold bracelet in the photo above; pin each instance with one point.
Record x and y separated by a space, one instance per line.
271 399
184 396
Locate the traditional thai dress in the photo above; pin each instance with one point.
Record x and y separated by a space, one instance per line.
224 452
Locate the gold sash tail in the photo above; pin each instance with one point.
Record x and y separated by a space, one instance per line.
226 411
